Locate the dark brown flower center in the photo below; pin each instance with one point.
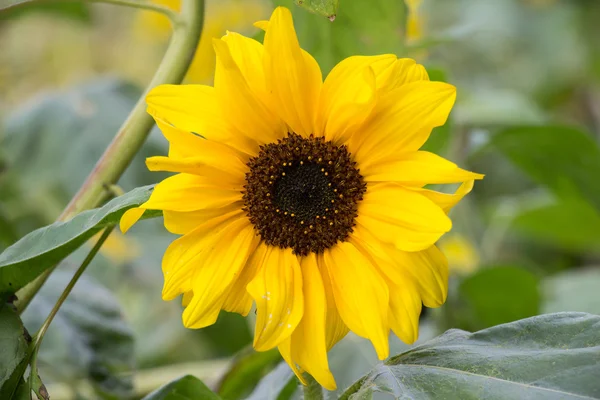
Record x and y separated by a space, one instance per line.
303 193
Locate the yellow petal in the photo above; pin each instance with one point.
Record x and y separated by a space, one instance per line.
285 349
277 291
182 222
428 269
245 112
187 144
184 192
360 293
180 260
188 107
405 218
417 169
405 309
238 299
130 217
310 333
335 329
402 121
293 76
248 55
348 95
403 72
194 108
264 25
186 298
213 162
181 143
445 200
217 267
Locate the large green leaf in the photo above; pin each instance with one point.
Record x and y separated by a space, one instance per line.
88 338
571 223
14 348
41 249
498 295
565 160
246 369
326 8
553 356
185 388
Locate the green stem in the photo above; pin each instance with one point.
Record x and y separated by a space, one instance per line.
144 5
134 130
40 335
312 390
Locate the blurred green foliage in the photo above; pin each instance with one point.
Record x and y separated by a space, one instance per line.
185 388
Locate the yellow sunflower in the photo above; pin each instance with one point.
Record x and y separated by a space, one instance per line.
305 197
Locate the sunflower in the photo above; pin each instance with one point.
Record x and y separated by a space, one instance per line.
304 197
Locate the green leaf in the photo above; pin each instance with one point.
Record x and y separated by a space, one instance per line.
552 356
247 369
498 295
275 385
23 392
326 8
185 388
565 160
41 249
14 351
570 223
573 290
88 338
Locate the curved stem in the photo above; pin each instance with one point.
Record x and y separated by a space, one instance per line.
134 130
144 5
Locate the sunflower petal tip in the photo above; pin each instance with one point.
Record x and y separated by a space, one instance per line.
129 218
263 25
327 380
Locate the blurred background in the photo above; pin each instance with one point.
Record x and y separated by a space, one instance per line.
525 242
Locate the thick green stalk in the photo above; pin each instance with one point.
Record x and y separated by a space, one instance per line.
132 134
312 390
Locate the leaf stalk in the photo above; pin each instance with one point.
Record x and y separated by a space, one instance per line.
135 130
